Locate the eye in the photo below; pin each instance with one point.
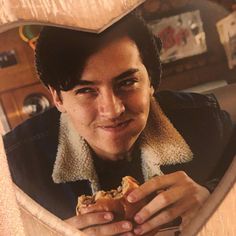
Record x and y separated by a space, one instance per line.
128 82
85 90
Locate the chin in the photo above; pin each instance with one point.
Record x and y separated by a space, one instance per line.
113 149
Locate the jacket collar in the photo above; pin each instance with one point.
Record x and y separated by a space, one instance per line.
160 144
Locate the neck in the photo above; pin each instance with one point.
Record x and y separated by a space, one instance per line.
113 156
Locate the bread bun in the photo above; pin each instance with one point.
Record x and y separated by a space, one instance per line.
113 200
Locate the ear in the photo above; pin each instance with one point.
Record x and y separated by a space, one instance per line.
57 100
152 90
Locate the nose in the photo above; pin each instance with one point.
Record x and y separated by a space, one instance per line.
110 106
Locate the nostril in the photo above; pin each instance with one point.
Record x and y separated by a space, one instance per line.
109 104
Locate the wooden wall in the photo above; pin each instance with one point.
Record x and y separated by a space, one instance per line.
18 81
23 73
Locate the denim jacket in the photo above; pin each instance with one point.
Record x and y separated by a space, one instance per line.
31 149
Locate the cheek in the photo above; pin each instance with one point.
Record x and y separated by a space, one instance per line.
82 115
139 102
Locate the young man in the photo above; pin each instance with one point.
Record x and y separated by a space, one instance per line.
111 124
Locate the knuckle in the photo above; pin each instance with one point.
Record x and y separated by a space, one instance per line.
117 228
166 198
152 182
170 214
167 216
140 192
101 217
182 174
155 179
196 200
91 220
82 222
191 187
146 212
149 225
92 231
94 218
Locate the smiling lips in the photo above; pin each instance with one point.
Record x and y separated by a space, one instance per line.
116 126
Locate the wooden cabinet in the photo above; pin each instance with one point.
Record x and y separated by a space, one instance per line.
13 102
23 73
19 81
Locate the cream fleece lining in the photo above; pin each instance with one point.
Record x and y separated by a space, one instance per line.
160 144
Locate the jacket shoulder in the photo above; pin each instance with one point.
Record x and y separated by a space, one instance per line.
181 100
33 129
187 111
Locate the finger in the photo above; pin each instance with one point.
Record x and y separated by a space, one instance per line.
161 201
83 221
110 229
164 217
188 216
127 234
151 233
92 208
155 184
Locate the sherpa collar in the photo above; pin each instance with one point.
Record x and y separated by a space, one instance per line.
160 144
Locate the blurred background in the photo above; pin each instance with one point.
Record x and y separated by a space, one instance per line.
198 55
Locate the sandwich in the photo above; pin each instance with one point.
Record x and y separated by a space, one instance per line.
113 201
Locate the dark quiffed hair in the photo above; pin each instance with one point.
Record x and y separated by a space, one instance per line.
61 54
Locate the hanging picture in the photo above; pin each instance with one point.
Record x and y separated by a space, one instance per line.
181 35
227 31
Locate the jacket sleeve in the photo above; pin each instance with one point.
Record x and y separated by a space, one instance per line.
206 129
227 158
228 140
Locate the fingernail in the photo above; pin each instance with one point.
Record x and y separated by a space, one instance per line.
108 217
138 219
138 230
126 225
131 198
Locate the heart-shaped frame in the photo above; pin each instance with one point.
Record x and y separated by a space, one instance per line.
19 214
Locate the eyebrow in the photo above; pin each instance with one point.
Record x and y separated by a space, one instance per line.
125 74
121 76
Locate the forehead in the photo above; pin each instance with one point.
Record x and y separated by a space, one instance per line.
113 58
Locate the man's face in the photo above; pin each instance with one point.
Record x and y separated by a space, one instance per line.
110 105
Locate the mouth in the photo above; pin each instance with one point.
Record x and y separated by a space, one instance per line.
115 127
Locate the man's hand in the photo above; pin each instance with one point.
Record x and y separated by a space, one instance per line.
100 223
176 195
